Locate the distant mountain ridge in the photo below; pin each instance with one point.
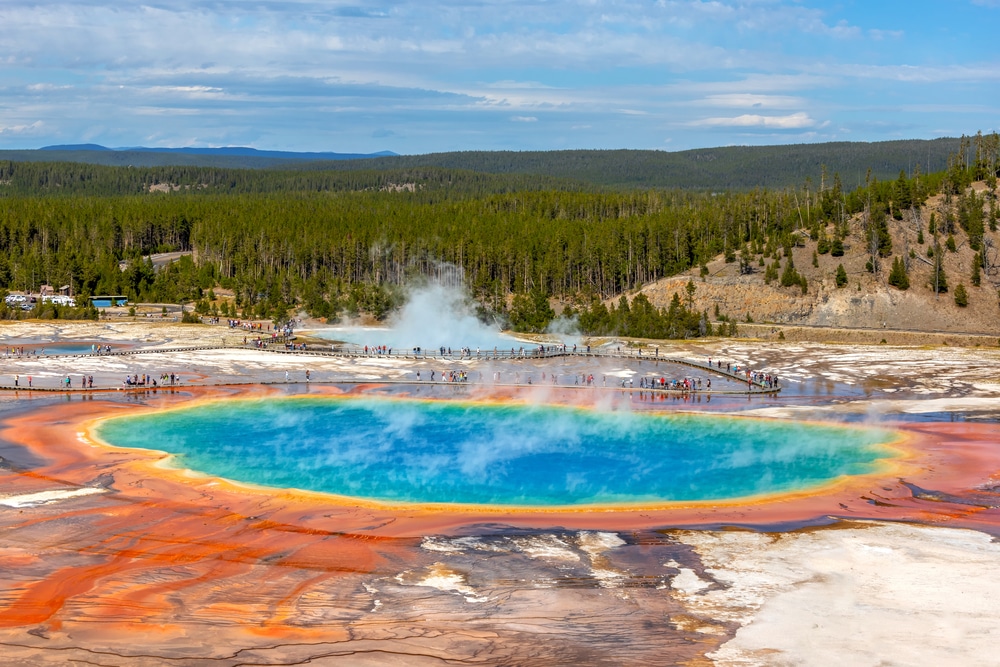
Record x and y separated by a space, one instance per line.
722 168
231 151
76 147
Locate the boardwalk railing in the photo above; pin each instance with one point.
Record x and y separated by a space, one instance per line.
278 346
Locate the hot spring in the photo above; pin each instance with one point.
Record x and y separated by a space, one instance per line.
412 451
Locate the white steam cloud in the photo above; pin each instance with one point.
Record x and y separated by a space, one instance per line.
435 315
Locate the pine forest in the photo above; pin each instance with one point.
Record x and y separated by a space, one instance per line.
338 243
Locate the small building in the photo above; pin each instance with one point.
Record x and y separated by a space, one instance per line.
108 301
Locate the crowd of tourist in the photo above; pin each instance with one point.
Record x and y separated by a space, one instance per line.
760 380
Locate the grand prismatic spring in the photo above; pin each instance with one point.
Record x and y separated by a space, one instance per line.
244 515
481 454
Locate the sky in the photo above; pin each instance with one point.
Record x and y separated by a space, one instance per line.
430 76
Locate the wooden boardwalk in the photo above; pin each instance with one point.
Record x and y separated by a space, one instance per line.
512 356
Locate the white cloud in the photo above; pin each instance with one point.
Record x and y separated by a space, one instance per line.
171 111
517 85
842 30
269 38
794 121
879 35
752 101
186 92
756 17
46 87
970 73
35 128
611 72
760 83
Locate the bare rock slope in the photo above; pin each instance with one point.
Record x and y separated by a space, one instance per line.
867 300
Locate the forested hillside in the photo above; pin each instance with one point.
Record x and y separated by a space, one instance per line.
346 249
733 167
70 178
726 168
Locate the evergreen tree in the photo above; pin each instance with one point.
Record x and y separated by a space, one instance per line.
771 273
531 312
902 195
644 319
884 238
789 276
897 276
595 320
823 245
690 289
841 278
622 314
961 298
674 317
970 218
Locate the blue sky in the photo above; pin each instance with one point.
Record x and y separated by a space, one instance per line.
447 75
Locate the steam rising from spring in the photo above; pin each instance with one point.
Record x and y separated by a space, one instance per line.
435 315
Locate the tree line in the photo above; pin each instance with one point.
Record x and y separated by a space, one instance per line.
348 249
723 168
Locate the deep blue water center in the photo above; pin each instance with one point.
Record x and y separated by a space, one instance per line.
447 452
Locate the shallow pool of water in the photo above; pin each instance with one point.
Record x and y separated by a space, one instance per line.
401 450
